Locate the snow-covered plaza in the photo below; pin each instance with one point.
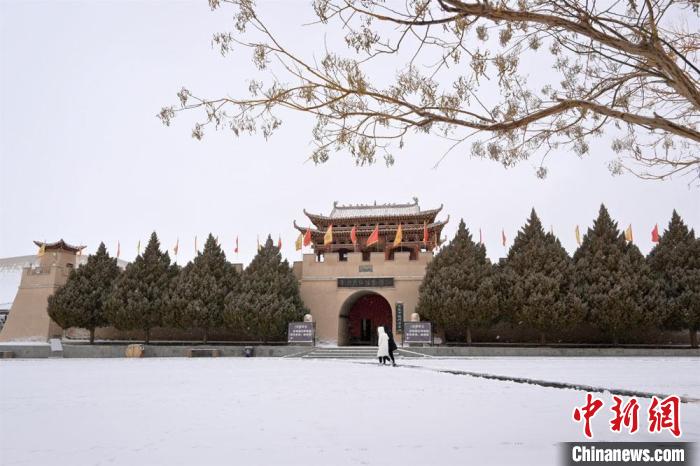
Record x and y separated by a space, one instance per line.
265 411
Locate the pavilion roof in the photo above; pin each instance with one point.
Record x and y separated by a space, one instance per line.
60 244
374 212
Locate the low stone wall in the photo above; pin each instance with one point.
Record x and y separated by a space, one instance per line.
27 350
117 350
173 351
549 351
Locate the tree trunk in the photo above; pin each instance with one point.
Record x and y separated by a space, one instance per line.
693 338
469 335
148 335
542 338
206 335
92 336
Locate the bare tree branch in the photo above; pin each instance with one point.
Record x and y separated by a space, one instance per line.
618 69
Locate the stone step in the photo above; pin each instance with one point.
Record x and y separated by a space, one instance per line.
351 352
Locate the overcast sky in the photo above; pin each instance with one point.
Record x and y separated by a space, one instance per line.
83 157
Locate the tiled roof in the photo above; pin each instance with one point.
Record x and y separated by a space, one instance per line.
374 210
60 244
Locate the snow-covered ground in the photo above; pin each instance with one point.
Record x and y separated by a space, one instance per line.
679 376
262 411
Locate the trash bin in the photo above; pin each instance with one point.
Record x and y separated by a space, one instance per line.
248 351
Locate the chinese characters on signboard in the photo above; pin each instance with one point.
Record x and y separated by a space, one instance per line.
418 332
300 332
399 317
365 282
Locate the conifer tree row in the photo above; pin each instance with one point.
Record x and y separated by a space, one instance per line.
207 294
608 283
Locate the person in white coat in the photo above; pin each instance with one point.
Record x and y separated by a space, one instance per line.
382 345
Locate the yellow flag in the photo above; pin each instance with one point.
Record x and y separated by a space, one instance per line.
259 243
138 248
328 237
298 243
628 233
42 249
399 236
578 236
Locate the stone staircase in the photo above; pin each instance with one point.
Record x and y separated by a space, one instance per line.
353 352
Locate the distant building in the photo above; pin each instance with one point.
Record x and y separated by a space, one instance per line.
351 288
28 318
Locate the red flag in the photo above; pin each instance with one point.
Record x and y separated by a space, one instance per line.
481 238
425 233
655 234
353 235
503 237
279 242
236 248
374 237
307 237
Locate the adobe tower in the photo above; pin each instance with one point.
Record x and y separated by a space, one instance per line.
28 319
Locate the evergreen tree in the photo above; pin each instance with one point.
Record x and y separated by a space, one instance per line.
81 302
267 299
675 262
458 290
541 294
614 281
139 299
200 290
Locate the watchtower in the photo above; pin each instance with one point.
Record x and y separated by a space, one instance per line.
28 319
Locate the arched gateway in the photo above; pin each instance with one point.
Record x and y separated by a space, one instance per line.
364 273
360 316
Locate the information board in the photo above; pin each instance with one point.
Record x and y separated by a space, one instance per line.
418 332
301 332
